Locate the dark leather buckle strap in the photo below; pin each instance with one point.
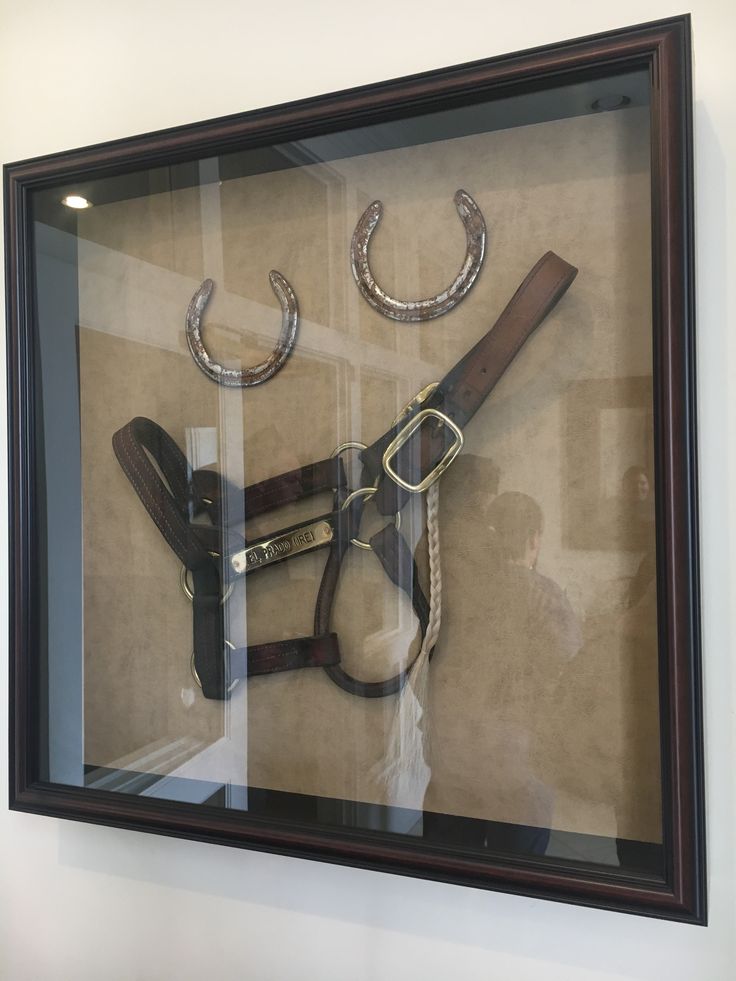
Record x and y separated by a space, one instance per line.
458 397
466 386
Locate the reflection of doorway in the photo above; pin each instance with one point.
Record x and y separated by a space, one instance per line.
608 488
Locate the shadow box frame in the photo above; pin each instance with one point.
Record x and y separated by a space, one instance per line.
663 49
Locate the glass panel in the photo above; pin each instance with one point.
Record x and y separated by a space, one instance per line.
534 730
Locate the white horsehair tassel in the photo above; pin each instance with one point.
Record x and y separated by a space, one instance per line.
406 772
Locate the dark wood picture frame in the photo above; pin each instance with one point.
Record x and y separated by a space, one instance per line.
662 48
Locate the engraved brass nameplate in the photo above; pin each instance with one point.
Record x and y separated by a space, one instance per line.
302 539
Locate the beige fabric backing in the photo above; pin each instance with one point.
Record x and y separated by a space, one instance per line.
518 733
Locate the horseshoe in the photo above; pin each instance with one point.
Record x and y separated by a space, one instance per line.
258 373
412 311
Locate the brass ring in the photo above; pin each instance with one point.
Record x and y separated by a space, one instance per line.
194 670
186 589
196 676
367 492
350 445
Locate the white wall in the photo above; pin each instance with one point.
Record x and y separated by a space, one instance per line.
80 902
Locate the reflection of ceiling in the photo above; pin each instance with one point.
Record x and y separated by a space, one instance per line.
489 116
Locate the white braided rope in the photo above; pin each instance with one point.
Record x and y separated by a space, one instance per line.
435 574
405 771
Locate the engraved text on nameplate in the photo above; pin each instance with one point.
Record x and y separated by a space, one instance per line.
302 539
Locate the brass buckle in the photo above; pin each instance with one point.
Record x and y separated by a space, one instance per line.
405 435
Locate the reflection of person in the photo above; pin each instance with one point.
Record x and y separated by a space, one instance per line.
505 647
516 524
635 484
603 747
471 483
637 508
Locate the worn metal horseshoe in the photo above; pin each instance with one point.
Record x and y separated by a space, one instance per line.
412 311
244 377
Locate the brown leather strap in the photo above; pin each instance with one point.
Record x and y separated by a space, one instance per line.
301 652
160 474
466 386
221 497
398 563
170 506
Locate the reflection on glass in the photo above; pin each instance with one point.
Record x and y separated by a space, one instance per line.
534 730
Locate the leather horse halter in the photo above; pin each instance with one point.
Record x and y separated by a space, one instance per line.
407 459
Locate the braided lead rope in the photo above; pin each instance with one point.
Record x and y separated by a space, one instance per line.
404 770
435 575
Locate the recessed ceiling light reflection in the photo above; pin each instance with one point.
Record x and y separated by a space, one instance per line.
608 102
76 201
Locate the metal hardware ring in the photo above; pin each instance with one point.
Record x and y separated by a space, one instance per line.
186 589
244 377
350 445
366 492
413 311
196 676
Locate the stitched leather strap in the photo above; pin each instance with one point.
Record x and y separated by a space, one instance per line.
221 497
398 563
301 652
160 475
170 506
467 385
